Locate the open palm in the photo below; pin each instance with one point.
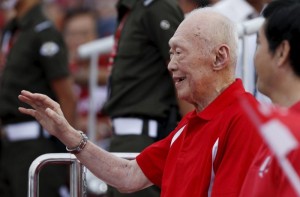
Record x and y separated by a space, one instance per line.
45 110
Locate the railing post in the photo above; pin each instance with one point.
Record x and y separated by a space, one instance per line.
40 162
77 175
93 50
76 180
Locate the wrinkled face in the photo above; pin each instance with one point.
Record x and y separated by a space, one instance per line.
190 64
264 64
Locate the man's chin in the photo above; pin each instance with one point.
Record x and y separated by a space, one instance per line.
182 96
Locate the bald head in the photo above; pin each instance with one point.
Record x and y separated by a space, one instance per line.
213 28
203 56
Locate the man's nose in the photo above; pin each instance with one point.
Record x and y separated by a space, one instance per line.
172 65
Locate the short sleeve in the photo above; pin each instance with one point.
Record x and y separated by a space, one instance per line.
52 54
152 160
161 21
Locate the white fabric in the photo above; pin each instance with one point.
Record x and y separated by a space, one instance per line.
214 152
23 131
236 10
133 126
177 135
153 128
278 137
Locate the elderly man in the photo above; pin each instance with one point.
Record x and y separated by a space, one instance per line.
212 147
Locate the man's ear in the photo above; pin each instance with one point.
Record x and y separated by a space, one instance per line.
283 53
222 57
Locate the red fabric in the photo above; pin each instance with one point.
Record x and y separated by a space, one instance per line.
8 41
104 60
2 20
116 39
185 168
265 177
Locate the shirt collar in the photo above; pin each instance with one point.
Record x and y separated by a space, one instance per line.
225 99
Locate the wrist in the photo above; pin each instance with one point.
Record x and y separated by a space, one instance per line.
77 149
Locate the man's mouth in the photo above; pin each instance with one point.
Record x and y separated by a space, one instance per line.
178 79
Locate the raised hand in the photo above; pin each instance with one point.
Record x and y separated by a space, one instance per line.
46 111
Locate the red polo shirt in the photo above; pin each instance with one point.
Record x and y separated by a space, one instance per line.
208 152
265 177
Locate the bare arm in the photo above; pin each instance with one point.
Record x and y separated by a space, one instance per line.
120 173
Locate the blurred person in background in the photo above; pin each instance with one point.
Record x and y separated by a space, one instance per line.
189 5
80 27
5 16
34 57
277 63
70 4
105 12
55 12
107 17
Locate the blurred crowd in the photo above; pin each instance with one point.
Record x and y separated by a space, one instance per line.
81 21
104 10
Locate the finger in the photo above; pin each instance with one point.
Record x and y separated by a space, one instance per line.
39 101
34 96
30 112
26 92
25 99
28 97
29 101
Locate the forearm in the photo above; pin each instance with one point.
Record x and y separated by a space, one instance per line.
123 174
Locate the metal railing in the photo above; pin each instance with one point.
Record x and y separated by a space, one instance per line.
92 50
77 187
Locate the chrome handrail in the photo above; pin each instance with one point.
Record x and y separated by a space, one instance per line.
76 171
